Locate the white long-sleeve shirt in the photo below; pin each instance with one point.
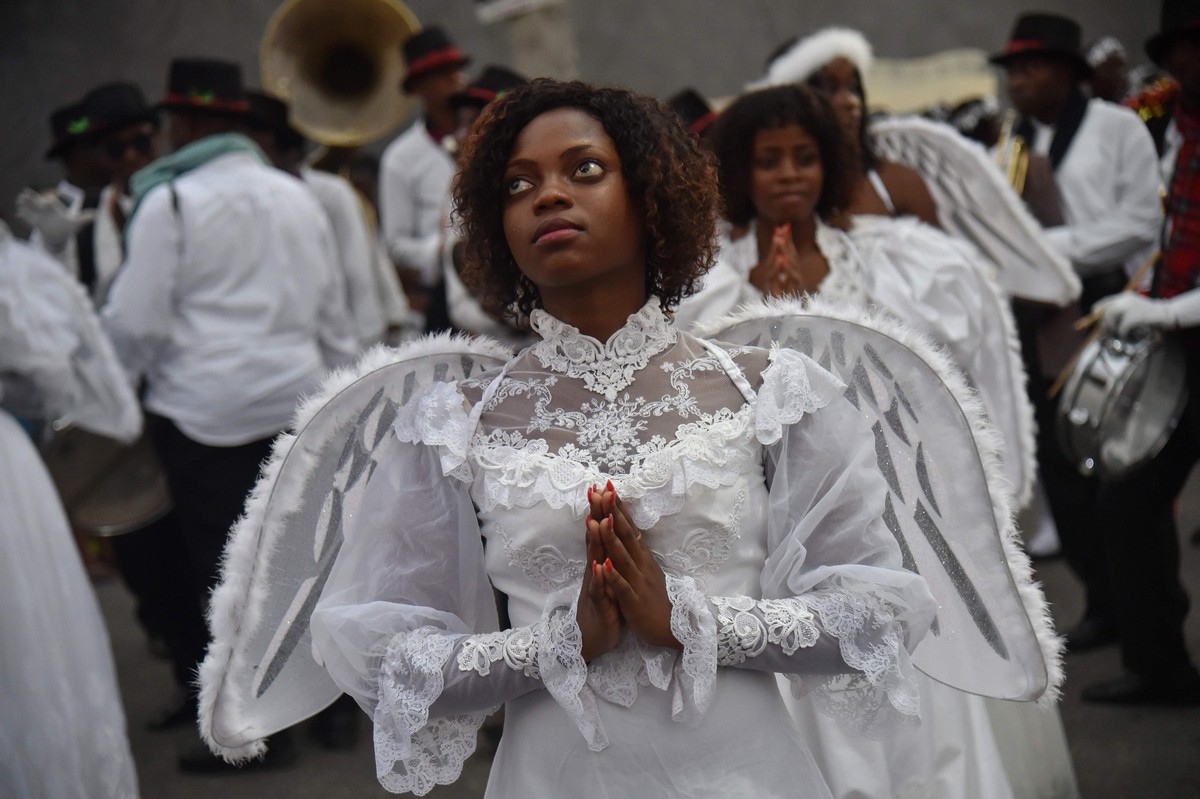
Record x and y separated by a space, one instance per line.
414 186
356 252
234 305
1110 189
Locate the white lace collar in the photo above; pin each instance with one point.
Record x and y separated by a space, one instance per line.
609 367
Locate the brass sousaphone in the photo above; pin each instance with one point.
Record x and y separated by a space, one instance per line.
338 65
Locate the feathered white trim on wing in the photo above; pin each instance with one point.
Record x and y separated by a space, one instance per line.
237 601
807 56
976 203
988 441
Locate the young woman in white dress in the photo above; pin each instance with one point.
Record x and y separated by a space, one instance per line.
62 726
788 177
671 521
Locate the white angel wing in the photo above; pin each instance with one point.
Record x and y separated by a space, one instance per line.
948 504
58 363
259 675
975 203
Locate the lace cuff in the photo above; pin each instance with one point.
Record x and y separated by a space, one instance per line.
413 753
693 625
560 661
746 626
518 648
881 693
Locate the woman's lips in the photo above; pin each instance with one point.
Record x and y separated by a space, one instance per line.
559 234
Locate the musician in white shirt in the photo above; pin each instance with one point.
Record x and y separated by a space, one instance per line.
230 305
417 169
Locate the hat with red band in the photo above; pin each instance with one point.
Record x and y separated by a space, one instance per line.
492 83
428 51
1046 35
694 110
199 84
1179 18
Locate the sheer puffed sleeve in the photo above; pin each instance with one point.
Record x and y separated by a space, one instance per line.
838 614
407 621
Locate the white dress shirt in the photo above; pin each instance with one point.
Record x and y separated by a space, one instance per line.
1109 184
414 186
355 250
234 305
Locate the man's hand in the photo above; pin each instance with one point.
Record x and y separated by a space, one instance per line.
47 214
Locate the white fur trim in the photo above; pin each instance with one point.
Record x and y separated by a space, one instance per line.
237 601
988 441
807 56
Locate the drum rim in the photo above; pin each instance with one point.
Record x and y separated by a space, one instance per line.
1141 350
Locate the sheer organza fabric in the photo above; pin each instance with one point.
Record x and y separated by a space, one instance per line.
755 485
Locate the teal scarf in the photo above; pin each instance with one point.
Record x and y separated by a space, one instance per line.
187 158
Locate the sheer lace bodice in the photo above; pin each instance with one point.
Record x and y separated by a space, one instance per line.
754 487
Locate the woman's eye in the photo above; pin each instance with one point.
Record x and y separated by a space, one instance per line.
589 169
769 162
518 185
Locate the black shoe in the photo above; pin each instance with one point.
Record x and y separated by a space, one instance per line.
198 759
1090 634
175 716
1130 689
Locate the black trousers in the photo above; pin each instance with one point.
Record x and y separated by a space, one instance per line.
1141 558
1071 496
154 565
209 486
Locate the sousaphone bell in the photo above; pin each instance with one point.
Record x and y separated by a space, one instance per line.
338 65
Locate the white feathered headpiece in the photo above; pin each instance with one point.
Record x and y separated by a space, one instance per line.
808 55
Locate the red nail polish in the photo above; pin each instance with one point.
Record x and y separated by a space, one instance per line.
608 564
595 568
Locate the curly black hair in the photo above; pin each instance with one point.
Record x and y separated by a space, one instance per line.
771 109
670 178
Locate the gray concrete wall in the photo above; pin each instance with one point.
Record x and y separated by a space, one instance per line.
51 51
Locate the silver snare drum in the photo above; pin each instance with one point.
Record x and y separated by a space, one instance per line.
1122 402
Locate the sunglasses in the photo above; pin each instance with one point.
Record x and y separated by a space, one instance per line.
142 144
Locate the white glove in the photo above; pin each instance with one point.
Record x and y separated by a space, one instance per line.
1186 308
47 214
1127 310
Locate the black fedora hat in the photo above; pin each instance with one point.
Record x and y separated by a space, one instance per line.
271 114
115 105
201 84
1179 17
695 111
493 82
428 51
68 126
1045 34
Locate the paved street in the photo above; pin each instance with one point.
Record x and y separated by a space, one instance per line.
1120 753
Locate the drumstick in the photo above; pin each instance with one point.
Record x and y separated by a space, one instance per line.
1090 320
1095 316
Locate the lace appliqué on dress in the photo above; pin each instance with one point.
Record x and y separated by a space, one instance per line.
606 368
413 753
746 626
703 551
545 565
440 419
516 647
